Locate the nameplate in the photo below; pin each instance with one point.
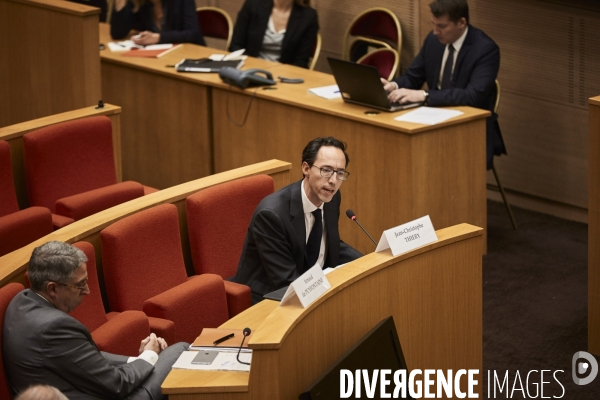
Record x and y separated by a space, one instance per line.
408 236
307 288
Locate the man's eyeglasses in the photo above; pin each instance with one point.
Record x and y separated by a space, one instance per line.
80 288
326 172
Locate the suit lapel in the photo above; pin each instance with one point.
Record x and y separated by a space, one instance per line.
292 25
297 217
464 50
333 235
438 54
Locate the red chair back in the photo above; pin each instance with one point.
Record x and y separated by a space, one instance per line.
218 220
377 24
90 312
8 197
213 23
68 158
142 257
385 60
6 295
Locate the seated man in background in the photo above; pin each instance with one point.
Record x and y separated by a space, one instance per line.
279 30
157 21
460 64
296 227
44 345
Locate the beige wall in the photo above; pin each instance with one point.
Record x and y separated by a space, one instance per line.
550 56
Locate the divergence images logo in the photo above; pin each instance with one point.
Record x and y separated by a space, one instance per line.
581 368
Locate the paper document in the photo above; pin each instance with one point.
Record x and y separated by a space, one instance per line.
224 362
428 115
221 349
127 45
327 92
234 55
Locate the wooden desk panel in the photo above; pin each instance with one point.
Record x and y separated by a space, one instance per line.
594 228
50 62
434 294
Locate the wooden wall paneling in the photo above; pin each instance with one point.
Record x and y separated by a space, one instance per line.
13 134
594 229
51 62
549 59
167 125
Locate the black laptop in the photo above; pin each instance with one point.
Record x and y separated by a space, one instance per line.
360 84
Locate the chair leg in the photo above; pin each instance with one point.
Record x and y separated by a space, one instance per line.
508 209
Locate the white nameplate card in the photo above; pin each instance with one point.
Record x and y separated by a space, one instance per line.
308 287
408 236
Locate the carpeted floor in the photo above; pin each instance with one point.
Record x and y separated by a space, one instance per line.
534 304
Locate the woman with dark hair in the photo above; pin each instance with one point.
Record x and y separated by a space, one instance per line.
276 30
157 21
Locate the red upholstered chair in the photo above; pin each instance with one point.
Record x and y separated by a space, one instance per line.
69 169
144 270
215 22
17 227
6 295
121 334
385 60
218 251
375 27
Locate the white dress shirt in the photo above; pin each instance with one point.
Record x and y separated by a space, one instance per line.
309 221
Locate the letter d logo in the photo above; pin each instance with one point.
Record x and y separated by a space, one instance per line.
582 368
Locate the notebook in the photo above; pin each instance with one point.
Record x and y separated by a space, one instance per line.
206 65
361 84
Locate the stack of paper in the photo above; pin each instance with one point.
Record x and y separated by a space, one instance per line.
327 92
225 361
428 115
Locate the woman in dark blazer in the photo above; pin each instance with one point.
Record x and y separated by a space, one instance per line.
300 35
158 21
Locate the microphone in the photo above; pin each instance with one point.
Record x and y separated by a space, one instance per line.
350 214
246 333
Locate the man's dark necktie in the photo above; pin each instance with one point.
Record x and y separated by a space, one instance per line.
447 75
313 246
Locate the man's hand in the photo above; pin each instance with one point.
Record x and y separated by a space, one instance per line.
387 85
152 343
406 96
146 37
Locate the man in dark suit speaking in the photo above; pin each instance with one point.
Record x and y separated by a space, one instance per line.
460 64
297 227
44 345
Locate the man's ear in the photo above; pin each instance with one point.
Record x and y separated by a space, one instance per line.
51 288
305 168
462 23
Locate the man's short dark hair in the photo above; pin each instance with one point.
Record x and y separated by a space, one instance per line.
53 262
454 9
309 154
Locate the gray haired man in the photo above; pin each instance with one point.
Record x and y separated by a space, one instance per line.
44 345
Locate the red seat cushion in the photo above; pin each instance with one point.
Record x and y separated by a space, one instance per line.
23 227
69 158
123 333
8 198
231 205
87 203
6 295
142 257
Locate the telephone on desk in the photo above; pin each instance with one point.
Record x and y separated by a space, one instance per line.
249 77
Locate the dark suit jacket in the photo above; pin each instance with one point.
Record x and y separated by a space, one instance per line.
180 22
43 345
472 81
274 252
300 34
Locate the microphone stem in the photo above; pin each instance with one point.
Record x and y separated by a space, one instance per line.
365 231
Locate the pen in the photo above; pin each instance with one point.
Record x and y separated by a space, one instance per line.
337 91
224 338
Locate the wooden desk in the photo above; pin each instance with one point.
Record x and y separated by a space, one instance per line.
50 62
594 228
433 293
182 126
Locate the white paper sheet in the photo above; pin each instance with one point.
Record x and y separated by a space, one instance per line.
428 115
327 92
